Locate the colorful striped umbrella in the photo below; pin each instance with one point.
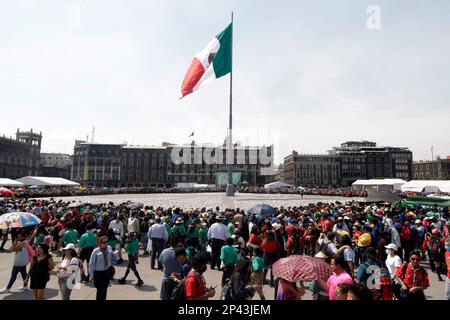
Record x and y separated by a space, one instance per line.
18 220
301 268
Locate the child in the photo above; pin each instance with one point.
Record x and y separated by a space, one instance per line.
132 249
257 269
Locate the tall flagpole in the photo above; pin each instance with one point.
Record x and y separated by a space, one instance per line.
230 187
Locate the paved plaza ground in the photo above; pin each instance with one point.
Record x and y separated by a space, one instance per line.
152 278
200 200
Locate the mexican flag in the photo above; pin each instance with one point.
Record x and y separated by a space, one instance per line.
213 62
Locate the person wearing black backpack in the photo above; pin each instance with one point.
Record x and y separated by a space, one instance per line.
413 278
237 287
193 287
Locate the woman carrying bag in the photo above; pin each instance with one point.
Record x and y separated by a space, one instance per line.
100 268
67 270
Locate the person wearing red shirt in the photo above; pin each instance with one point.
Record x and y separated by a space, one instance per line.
447 260
413 278
195 284
270 248
255 240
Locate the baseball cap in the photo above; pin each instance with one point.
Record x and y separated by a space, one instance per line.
391 246
69 246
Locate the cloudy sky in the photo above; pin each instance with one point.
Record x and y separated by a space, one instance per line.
308 75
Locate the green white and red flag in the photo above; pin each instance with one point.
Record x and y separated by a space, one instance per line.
213 62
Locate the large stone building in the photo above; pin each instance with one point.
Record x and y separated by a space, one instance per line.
106 165
20 157
351 161
96 164
366 160
55 165
311 170
432 170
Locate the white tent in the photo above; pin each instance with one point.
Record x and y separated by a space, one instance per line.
5 182
427 186
379 184
47 181
277 185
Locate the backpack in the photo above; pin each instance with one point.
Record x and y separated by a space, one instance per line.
384 292
178 292
405 267
227 291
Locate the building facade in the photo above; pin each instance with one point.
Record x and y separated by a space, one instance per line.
432 170
343 165
20 157
97 165
366 160
115 165
56 165
311 170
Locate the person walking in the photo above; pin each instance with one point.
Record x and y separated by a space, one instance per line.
229 256
217 235
172 260
39 273
21 260
68 270
100 268
158 235
132 249
86 245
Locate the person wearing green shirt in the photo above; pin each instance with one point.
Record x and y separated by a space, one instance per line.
178 229
70 235
86 245
192 234
229 256
132 249
258 269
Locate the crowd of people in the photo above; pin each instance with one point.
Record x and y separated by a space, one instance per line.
375 251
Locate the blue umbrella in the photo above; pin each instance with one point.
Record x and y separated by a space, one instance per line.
262 211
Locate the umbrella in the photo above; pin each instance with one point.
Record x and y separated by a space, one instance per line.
21 190
134 205
301 268
18 220
6 192
262 210
32 187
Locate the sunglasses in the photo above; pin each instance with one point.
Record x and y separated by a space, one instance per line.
104 242
414 259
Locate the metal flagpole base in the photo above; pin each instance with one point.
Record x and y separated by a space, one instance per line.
230 190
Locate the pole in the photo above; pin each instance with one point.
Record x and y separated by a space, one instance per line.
432 154
230 187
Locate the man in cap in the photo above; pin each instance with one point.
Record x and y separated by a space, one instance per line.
217 235
158 235
178 230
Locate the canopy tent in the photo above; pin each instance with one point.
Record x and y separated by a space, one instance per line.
47 181
427 186
5 182
379 184
277 185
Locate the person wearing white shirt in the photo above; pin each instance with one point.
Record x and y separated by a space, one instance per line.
117 224
393 261
217 234
158 235
68 271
